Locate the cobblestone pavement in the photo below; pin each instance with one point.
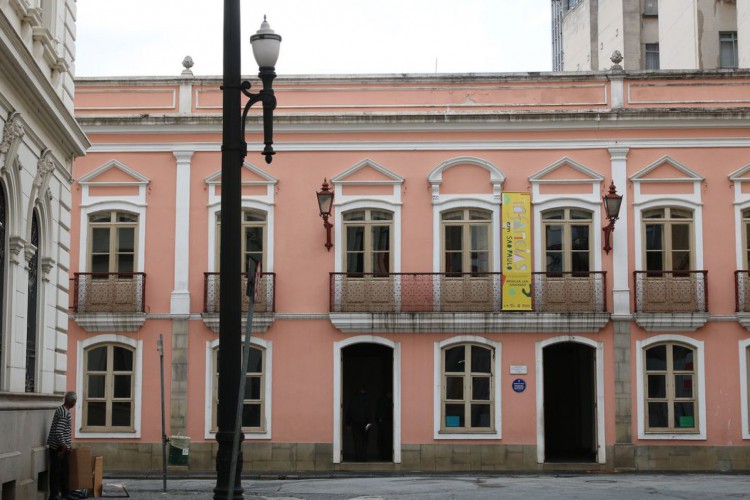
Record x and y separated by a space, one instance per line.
459 487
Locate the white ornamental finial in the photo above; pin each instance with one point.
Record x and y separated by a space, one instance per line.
187 63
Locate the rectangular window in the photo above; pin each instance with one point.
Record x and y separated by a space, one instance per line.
671 395
728 50
651 7
467 395
253 409
567 240
652 56
367 241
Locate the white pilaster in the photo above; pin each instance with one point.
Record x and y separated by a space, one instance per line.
620 270
743 33
180 300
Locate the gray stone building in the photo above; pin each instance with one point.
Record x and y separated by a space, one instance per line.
40 139
651 34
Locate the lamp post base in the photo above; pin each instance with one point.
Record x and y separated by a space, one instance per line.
223 491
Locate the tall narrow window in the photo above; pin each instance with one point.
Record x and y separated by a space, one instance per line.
668 237
466 241
746 239
728 50
468 401
652 56
253 406
253 237
108 403
113 242
367 240
671 392
3 244
567 240
31 309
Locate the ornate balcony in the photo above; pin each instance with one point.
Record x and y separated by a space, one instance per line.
109 302
109 292
464 302
671 300
263 309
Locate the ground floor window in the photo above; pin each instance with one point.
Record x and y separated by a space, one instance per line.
108 392
671 388
467 382
256 403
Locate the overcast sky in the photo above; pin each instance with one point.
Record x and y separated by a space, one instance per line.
151 37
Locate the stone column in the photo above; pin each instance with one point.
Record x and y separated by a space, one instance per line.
743 33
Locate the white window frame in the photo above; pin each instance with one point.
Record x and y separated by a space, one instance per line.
258 203
137 346
446 202
744 346
700 376
438 389
689 201
266 345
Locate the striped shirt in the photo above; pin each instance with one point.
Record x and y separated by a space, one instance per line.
59 431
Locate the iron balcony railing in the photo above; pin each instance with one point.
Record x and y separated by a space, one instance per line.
266 302
742 291
462 292
109 292
671 291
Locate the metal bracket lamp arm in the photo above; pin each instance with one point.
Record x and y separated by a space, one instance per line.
267 97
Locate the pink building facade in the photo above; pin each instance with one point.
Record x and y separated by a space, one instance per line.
636 359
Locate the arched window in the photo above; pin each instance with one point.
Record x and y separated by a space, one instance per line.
367 241
671 388
668 236
468 403
113 242
567 240
466 240
108 388
32 308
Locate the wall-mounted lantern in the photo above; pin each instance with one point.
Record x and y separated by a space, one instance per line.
325 204
612 202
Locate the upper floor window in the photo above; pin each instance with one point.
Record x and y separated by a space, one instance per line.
113 242
728 50
253 406
108 390
651 8
746 238
467 388
567 240
652 56
367 241
466 240
671 393
668 233
253 237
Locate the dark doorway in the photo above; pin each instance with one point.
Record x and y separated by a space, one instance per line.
569 403
368 368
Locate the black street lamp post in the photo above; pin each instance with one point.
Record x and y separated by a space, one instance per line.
233 151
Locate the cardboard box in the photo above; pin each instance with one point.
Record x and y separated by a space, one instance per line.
97 465
80 468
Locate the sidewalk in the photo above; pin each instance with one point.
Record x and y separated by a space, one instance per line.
459 487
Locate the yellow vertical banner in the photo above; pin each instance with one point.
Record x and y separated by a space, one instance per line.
516 251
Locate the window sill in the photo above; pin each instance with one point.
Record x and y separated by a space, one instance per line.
486 435
132 434
261 321
694 436
670 322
